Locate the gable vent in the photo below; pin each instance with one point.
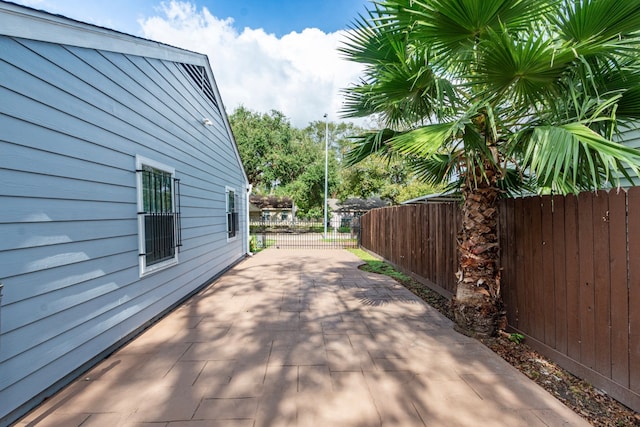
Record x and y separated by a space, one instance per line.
199 77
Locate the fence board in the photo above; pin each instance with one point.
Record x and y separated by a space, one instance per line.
445 267
634 288
548 285
536 319
520 265
433 245
437 246
506 237
424 243
447 270
572 272
419 246
386 242
529 272
411 219
619 288
395 241
559 274
586 290
602 285
426 251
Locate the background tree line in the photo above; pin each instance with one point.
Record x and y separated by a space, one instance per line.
282 160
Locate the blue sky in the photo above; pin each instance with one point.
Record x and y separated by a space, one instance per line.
282 17
278 17
265 54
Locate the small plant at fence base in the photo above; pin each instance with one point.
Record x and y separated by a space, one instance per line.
516 338
256 245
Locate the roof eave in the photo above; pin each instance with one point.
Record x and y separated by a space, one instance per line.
25 22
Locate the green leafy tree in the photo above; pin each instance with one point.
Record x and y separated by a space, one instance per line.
339 136
393 181
280 159
497 95
378 177
308 188
266 146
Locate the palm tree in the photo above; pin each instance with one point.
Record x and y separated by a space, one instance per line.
497 96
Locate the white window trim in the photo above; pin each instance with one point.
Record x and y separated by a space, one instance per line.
145 270
227 189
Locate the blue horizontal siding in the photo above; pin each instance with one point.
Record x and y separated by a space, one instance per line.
57 279
630 138
66 311
73 121
98 83
46 162
14 236
23 261
28 210
33 185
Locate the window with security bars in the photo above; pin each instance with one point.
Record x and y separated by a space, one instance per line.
232 214
159 217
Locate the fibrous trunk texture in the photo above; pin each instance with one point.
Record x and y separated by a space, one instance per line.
477 305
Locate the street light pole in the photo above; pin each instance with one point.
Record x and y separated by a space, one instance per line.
326 170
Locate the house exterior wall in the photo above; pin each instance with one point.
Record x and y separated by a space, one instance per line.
630 138
72 120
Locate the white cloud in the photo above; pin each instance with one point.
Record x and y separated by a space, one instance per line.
299 74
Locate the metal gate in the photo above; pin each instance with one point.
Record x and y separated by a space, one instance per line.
303 234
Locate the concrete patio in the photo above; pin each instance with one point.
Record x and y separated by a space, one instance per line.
303 338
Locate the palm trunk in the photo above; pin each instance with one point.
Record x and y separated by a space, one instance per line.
477 304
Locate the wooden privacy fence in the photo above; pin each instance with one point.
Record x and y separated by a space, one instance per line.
419 239
570 274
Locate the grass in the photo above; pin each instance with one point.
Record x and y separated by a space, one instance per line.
253 245
375 265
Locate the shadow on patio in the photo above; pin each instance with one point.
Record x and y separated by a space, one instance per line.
303 338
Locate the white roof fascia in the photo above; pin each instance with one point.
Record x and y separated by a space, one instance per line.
23 22
434 198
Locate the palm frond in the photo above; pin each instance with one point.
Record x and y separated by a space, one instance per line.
436 169
624 79
541 85
519 71
426 140
370 40
599 24
456 26
514 183
572 158
405 91
368 144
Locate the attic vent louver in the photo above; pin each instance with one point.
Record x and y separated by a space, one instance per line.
199 77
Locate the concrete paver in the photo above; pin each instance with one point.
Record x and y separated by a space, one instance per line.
303 338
